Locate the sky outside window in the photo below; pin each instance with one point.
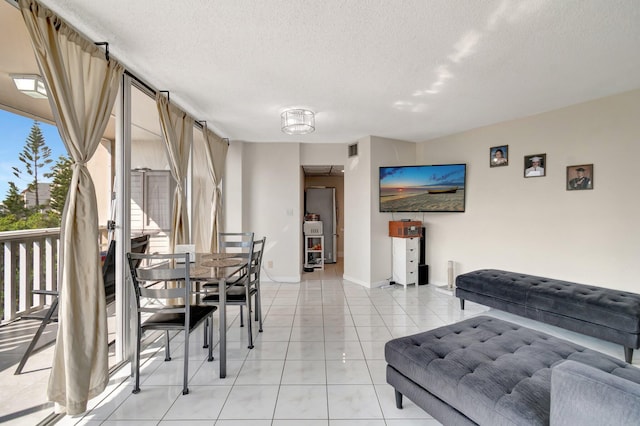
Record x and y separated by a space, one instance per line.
14 131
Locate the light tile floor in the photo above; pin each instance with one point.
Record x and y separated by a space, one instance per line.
319 361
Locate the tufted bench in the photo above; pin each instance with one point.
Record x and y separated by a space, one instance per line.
491 372
608 314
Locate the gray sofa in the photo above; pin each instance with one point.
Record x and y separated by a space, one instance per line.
607 314
491 372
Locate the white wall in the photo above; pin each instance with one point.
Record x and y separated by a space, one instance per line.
535 225
151 154
323 154
100 167
232 190
357 218
263 192
272 204
385 152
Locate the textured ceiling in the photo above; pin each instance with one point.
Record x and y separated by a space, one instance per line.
410 70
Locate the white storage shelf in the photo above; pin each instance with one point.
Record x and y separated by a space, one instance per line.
406 256
314 251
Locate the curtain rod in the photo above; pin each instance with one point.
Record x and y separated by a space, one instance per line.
203 124
146 88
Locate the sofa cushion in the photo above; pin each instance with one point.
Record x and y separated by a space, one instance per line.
492 371
583 395
499 284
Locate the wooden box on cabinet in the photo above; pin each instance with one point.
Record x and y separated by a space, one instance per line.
405 228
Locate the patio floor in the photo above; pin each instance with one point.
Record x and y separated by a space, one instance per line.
23 398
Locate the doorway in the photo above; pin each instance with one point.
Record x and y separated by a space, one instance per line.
329 177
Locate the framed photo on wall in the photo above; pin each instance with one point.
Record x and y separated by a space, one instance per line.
534 165
499 156
580 177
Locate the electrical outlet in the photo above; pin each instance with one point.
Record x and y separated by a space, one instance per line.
270 264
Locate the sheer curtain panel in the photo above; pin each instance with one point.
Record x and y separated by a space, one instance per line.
82 87
177 130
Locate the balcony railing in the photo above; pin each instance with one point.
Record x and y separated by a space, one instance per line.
30 262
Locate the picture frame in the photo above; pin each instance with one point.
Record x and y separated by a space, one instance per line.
499 156
579 177
535 165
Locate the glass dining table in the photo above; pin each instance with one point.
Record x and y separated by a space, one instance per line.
218 267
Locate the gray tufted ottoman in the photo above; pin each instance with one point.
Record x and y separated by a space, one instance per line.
607 314
486 371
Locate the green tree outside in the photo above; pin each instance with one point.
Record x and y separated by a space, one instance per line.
61 175
14 215
35 156
13 204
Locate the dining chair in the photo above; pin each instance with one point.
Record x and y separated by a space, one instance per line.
240 288
151 275
254 278
139 244
256 267
235 242
238 244
254 282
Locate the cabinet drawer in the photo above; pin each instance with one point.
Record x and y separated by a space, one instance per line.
411 264
413 255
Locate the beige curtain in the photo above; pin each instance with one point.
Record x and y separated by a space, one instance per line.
82 87
202 193
177 129
216 150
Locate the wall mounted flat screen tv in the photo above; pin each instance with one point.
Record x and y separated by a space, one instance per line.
434 188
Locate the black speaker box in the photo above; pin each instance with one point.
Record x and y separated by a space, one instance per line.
423 274
423 247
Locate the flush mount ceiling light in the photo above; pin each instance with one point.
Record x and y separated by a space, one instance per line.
31 85
298 121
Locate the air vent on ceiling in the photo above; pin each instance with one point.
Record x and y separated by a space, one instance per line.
353 150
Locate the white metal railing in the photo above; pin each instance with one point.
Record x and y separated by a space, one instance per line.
30 262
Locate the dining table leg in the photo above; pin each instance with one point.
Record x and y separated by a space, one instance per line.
222 290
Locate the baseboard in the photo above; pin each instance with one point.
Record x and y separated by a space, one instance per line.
380 284
357 281
445 289
280 279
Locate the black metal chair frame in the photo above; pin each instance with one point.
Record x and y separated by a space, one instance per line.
254 281
245 284
186 317
241 289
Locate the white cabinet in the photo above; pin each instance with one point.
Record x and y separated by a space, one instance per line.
314 251
406 256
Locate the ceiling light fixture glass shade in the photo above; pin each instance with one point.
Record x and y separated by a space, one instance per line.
298 121
31 85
